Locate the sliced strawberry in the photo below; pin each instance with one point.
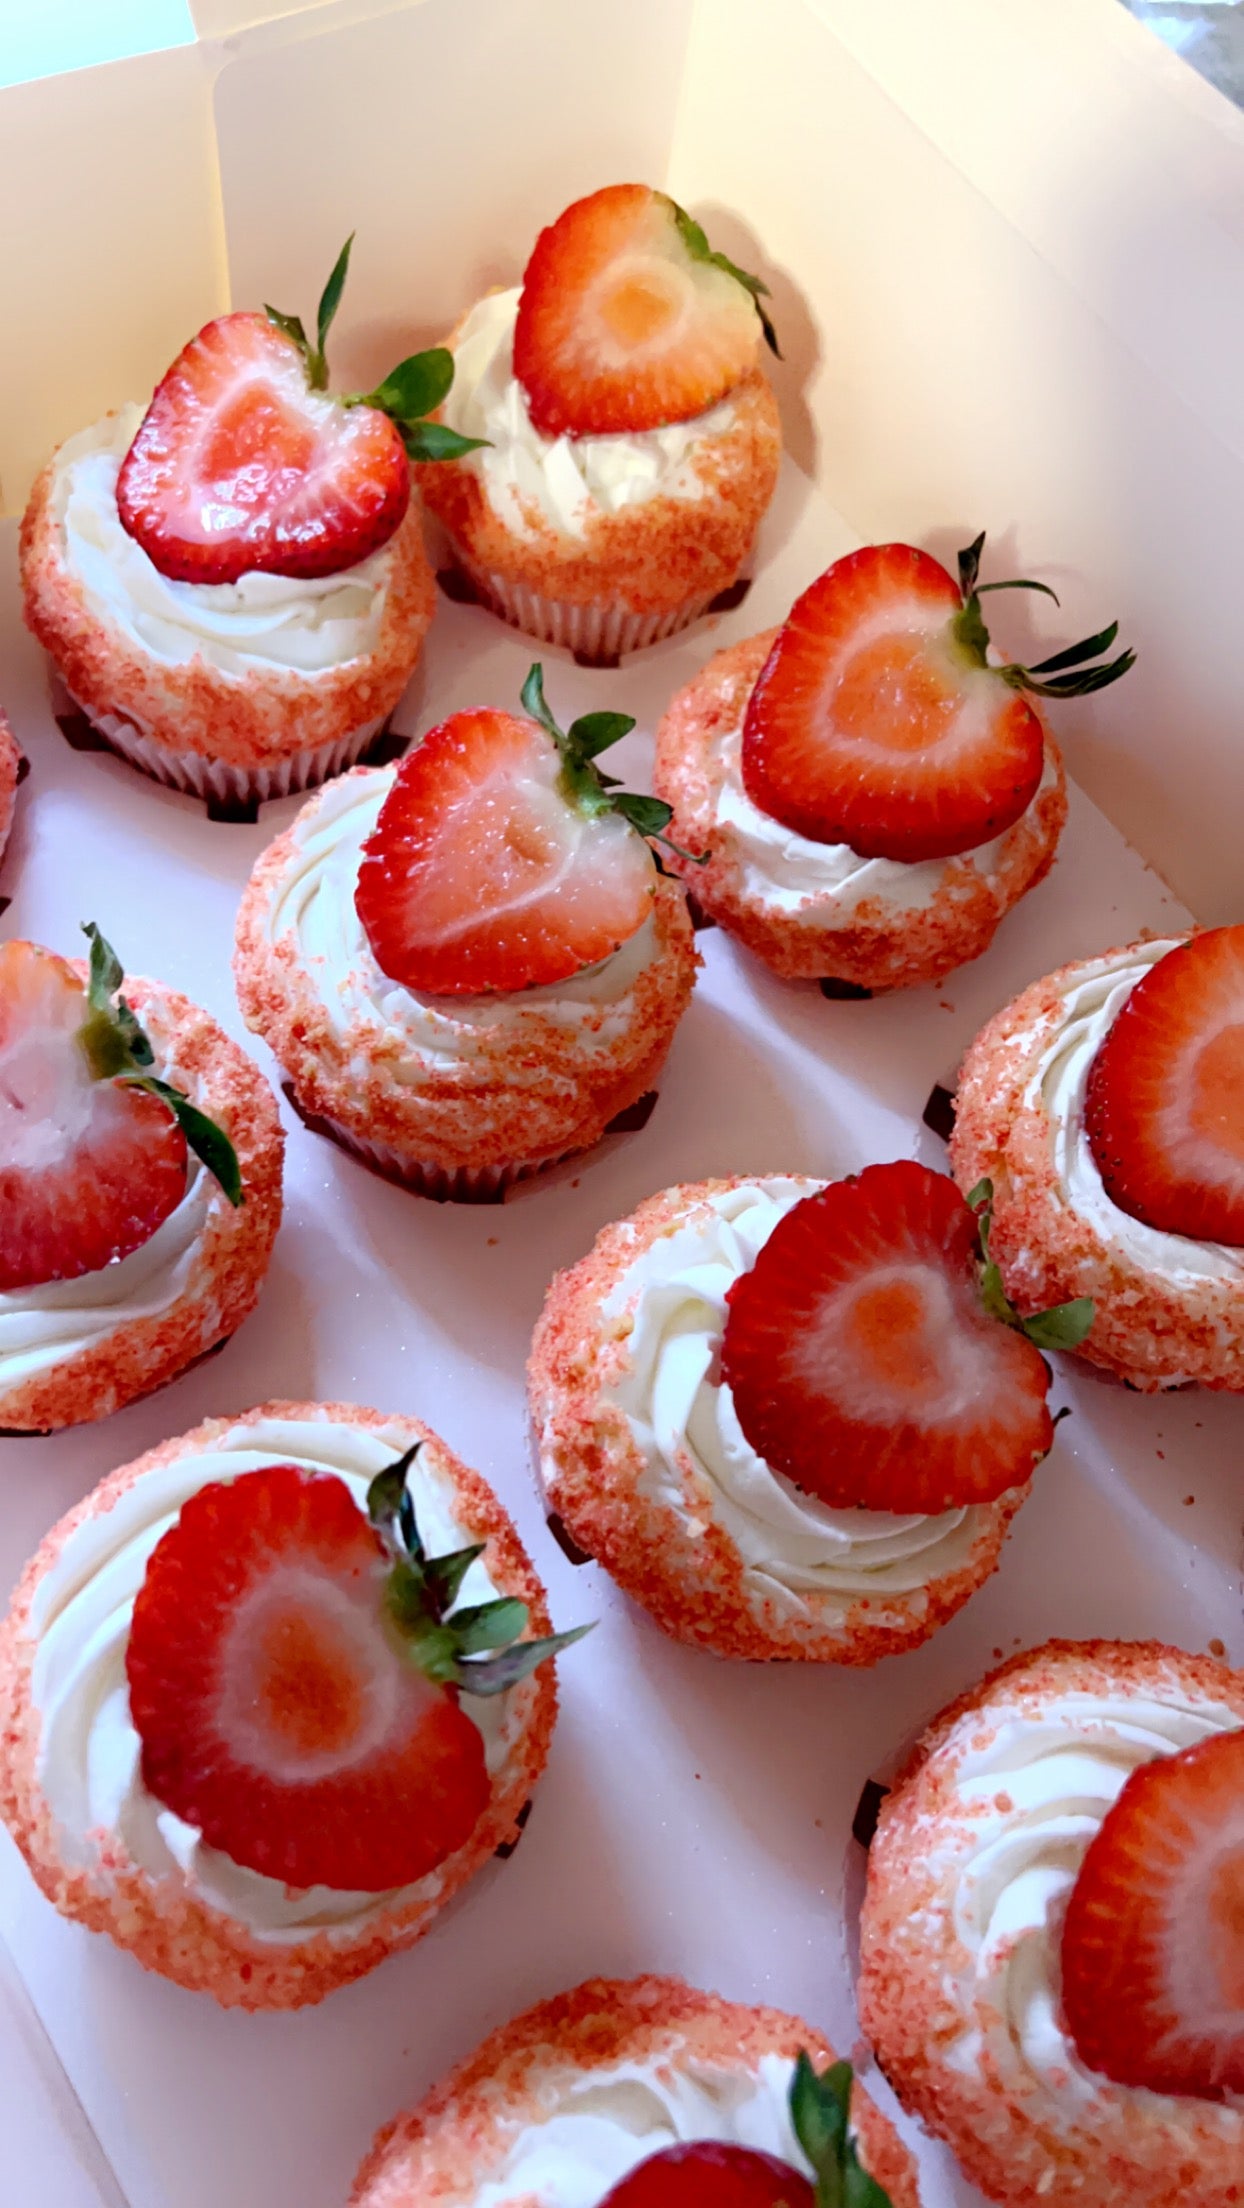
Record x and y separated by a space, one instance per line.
89 1167
627 319
278 1711
1164 1107
711 2175
878 721
240 467
500 859
1153 1941
863 1362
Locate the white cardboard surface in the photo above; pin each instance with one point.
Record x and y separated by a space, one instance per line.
695 1816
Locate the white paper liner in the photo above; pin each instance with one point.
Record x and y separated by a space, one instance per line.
212 779
592 632
445 1184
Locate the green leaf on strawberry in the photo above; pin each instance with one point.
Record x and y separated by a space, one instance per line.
116 1049
696 242
1048 678
820 2107
1063 1326
594 792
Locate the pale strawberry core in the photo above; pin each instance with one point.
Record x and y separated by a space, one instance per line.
254 441
1226 1916
310 1688
639 307
1216 1111
887 1329
892 696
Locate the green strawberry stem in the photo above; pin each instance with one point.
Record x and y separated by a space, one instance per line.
699 248
116 1049
1064 674
1063 1326
479 1649
583 784
416 387
820 2108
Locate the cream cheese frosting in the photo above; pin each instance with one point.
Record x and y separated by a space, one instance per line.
796 1550
790 874
1094 996
89 1752
314 902
564 481
62 1319
600 2123
307 624
1018 1806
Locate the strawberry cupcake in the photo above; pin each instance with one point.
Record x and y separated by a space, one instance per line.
232 587
140 1186
12 772
791 1419
643 2093
268 1698
627 441
1052 1965
469 965
872 789
1104 1106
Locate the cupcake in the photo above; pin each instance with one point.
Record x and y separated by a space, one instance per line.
12 773
244 1725
1105 1107
469 965
628 439
232 587
782 1415
140 1186
1052 1943
641 2093
872 790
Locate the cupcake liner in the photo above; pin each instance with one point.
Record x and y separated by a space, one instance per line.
443 1184
595 633
220 785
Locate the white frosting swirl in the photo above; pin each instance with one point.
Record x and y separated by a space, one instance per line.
565 481
1092 1001
790 874
314 901
1026 1796
599 2124
63 1319
89 1752
796 1550
306 623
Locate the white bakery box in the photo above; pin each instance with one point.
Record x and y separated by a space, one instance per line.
1005 240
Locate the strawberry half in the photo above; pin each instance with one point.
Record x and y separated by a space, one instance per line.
245 464
878 722
92 1145
502 857
1164 1107
628 319
294 1670
713 2174
1153 1941
873 1358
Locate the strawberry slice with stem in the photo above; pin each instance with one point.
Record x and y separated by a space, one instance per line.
245 463
295 1671
1153 1939
503 858
93 1143
628 319
872 1354
879 722
714 2174
1164 1105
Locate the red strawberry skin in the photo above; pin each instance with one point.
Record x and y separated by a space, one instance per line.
278 1712
88 1169
239 468
711 2175
480 875
1164 1106
1153 1941
619 326
861 1359
870 726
